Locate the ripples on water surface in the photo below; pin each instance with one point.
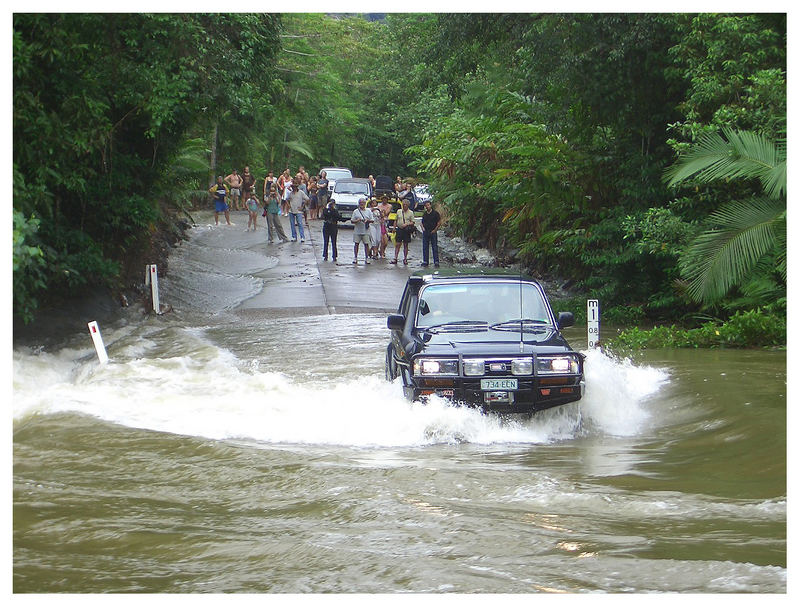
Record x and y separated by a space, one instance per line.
216 454
283 462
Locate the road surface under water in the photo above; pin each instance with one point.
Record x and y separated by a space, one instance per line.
219 451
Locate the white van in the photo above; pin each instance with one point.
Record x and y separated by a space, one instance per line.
348 192
335 173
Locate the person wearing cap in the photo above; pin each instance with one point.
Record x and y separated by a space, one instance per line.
361 219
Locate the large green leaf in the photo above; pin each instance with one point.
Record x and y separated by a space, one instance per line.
720 258
736 155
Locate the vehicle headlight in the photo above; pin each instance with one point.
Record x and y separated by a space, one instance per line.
432 366
522 366
474 366
557 364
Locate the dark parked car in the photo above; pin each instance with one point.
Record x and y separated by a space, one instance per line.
384 186
483 337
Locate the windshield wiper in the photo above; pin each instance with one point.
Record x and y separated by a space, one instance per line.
457 323
517 322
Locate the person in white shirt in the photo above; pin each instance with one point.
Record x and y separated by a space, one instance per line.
361 219
375 229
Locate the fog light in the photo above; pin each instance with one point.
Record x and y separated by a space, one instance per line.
473 367
522 366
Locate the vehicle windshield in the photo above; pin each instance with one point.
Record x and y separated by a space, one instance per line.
334 174
494 304
351 188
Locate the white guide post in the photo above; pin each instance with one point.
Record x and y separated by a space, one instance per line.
593 322
152 279
94 331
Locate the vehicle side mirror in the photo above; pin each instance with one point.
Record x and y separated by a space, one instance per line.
396 322
565 319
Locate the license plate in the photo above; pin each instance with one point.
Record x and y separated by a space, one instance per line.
498 384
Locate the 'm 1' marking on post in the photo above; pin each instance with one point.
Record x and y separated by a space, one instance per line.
593 322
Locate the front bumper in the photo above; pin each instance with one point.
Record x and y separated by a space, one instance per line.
532 394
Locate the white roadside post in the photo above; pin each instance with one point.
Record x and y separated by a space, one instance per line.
593 322
94 331
152 280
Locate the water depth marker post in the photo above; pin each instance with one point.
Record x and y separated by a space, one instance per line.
94 331
593 322
152 280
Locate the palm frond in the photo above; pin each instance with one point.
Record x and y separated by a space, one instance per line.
737 155
719 258
300 148
192 157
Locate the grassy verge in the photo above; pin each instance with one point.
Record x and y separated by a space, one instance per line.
757 328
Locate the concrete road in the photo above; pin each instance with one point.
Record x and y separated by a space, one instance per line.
302 282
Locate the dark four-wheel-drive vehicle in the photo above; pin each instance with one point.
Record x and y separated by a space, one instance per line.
483 337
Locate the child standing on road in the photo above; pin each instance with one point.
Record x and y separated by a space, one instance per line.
252 211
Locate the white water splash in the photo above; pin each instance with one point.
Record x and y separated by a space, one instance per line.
209 394
615 393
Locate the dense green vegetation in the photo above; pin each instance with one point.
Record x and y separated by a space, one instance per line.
753 328
637 155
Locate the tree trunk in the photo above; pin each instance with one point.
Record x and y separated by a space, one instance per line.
213 162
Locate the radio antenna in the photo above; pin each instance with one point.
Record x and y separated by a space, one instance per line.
521 316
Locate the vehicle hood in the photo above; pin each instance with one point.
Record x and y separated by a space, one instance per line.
347 198
490 342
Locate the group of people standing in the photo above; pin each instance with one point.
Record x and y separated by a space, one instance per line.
302 196
370 229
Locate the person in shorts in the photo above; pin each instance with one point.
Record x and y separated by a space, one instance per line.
234 180
361 219
252 212
220 192
404 227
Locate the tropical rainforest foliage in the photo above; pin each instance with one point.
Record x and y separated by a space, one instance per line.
639 156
